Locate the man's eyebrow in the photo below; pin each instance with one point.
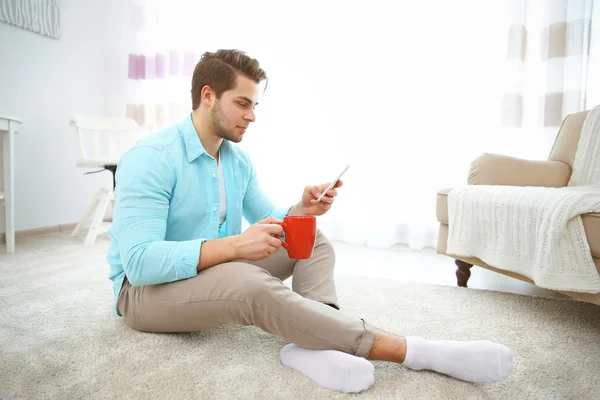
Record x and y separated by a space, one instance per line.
246 99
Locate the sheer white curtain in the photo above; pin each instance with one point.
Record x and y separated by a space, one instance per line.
408 94
550 69
593 71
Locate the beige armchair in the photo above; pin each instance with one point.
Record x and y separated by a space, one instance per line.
493 169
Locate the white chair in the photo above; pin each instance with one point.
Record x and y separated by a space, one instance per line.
101 142
9 126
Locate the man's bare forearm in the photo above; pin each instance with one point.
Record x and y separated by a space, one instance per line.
296 210
217 251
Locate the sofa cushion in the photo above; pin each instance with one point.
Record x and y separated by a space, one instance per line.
591 222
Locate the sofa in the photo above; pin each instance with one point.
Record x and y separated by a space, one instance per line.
496 169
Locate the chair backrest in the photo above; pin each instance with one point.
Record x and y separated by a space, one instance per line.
105 138
567 139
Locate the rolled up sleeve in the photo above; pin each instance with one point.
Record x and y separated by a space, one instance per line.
145 181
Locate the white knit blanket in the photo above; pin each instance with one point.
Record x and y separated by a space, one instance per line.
534 231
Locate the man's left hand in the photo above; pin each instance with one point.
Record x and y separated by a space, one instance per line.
309 205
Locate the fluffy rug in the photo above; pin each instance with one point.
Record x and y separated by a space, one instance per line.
59 338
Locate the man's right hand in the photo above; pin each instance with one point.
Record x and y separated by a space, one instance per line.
257 242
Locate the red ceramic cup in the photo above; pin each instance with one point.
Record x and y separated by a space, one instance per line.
300 235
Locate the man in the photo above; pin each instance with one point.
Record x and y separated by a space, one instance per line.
179 261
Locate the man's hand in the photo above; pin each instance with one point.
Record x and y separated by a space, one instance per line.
257 242
309 205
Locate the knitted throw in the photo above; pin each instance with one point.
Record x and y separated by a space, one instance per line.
534 231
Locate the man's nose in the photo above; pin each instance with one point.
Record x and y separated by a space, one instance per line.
250 116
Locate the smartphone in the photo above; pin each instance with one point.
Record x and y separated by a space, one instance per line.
333 183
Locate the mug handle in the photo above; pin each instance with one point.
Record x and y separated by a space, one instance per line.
284 244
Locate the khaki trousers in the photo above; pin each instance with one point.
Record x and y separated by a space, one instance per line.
253 293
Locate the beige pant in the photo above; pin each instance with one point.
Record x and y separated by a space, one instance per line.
252 293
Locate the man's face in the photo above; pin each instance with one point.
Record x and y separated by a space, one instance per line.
234 111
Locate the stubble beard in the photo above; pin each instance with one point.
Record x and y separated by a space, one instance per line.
218 121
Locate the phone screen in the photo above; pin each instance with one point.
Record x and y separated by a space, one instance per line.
332 184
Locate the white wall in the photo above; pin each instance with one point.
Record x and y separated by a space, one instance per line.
45 82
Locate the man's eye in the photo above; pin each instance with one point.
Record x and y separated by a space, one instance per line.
243 105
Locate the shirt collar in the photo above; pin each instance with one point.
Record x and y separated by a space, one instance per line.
193 145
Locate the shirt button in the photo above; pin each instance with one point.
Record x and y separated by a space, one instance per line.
214 208
214 175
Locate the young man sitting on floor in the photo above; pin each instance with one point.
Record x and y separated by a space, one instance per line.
180 262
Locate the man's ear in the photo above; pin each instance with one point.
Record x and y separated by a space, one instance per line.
207 95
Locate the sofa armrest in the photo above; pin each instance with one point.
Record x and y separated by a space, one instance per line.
497 169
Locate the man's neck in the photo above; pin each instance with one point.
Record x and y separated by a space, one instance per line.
210 141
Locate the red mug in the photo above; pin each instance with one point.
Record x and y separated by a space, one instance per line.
300 235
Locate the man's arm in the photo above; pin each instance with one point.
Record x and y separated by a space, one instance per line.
256 204
298 210
256 243
217 251
145 180
308 205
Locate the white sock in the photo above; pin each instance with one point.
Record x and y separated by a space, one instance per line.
331 369
473 361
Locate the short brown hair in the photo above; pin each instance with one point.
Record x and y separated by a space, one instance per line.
219 71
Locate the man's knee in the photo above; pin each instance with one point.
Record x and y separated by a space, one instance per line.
322 239
246 278
324 245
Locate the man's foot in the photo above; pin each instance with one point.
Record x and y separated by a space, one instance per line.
479 361
331 369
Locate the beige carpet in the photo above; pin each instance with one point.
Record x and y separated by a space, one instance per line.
59 339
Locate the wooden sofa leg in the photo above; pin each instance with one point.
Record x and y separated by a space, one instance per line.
463 272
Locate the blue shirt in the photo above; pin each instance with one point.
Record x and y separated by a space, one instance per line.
167 203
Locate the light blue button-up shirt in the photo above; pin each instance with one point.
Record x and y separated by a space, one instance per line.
167 203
